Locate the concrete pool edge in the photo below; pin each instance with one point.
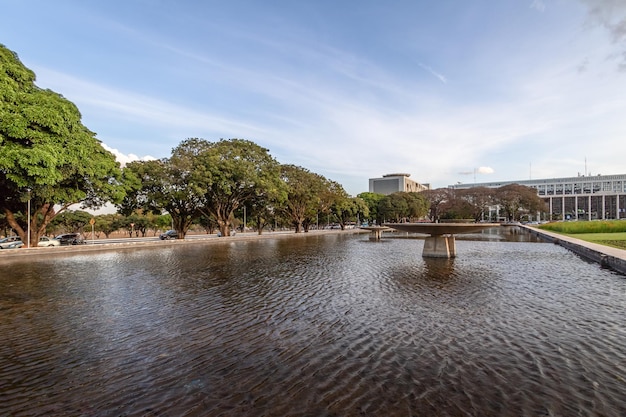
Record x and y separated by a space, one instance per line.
606 256
21 253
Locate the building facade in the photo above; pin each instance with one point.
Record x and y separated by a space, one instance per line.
584 197
392 183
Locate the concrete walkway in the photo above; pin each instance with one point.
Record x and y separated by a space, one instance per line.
606 256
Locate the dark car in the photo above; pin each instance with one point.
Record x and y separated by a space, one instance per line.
70 239
170 234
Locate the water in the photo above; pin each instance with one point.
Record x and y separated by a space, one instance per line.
333 325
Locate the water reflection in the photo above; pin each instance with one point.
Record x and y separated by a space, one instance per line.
335 325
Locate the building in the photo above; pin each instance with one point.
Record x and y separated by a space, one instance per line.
584 197
392 183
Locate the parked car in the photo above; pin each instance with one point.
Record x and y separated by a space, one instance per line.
170 234
11 242
70 239
46 241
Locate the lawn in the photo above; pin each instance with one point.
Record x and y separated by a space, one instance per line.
607 232
616 240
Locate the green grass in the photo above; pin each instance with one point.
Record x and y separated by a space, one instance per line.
607 232
594 226
616 240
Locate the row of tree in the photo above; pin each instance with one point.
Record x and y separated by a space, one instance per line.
49 162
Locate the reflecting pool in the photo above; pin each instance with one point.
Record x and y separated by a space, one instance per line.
322 325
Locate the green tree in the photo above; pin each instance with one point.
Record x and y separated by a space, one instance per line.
47 156
165 186
107 224
349 209
393 207
403 206
304 189
72 221
372 200
230 173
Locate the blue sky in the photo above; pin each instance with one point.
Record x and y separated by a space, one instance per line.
448 91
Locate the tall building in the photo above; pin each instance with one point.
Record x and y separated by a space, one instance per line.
585 197
392 183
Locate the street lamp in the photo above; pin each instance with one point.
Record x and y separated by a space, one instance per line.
28 224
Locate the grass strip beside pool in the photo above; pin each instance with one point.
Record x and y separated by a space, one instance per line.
607 232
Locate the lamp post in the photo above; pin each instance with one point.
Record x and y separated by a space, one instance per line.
28 224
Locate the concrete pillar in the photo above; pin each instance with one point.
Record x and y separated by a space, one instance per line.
376 234
439 247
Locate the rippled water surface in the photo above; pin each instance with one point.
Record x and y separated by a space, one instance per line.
333 325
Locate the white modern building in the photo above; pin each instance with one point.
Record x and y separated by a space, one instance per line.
585 197
392 183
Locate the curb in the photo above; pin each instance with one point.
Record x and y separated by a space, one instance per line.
607 257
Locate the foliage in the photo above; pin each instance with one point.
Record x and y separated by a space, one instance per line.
72 221
403 206
371 200
515 200
229 173
304 189
439 202
107 224
165 185
47 156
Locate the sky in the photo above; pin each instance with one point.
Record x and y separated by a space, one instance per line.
448 91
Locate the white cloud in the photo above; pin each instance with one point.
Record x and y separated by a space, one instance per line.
124 159
485 170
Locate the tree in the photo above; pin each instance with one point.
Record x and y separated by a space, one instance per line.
437 199
166 185
47 156
348 209
372 200
107 224
303 194
515 199
403 206
72 221
417 205
229 173
479 199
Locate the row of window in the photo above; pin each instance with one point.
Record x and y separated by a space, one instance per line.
581 188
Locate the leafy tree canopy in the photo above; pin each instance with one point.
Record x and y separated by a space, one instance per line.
47 155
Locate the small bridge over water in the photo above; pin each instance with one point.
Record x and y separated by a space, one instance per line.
440 243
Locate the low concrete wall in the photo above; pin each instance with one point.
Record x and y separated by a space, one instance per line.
606 256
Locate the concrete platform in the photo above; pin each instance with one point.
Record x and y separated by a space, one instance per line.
440 243
376 232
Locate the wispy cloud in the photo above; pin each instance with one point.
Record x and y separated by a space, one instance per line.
611 15
538 5
439 76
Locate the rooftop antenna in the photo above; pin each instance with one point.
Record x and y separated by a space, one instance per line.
585 166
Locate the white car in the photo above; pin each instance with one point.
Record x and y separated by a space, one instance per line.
11 242
46 241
